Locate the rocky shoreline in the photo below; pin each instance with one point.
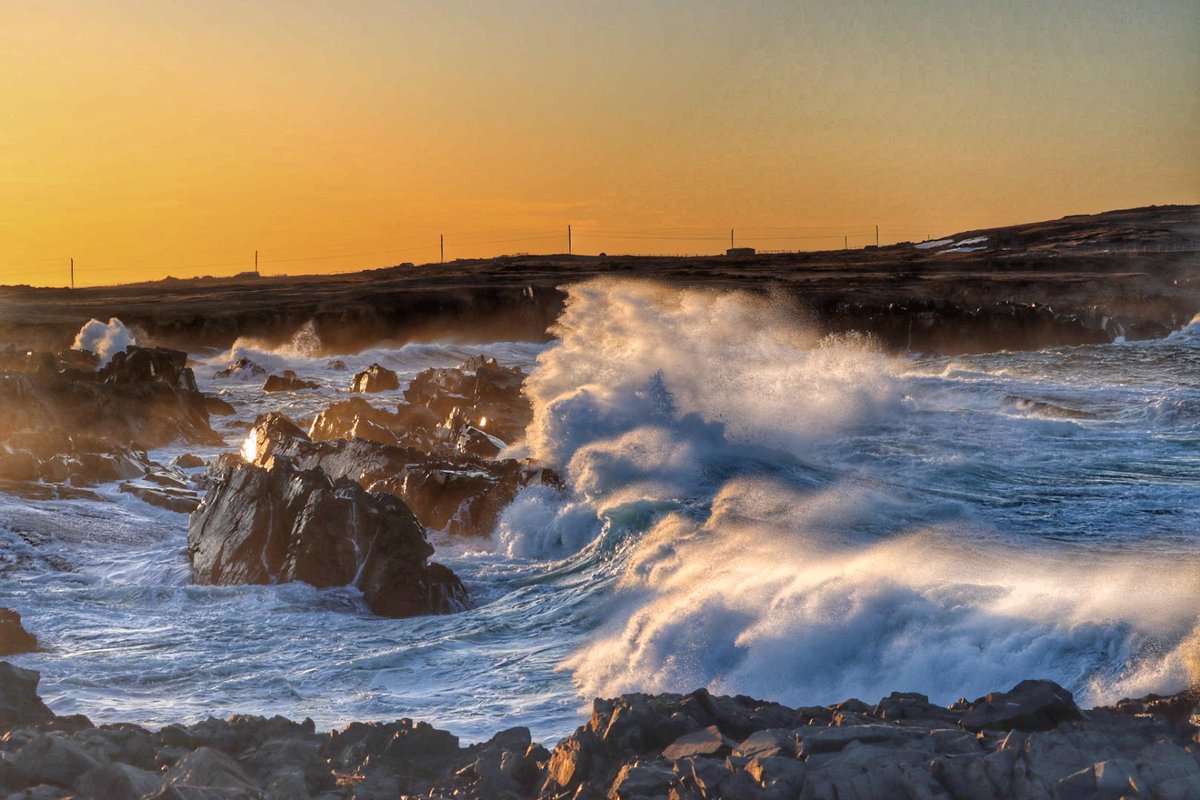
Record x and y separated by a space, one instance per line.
1030 742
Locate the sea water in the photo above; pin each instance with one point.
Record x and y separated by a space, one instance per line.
751 507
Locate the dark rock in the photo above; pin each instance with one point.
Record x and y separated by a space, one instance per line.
461 495
14 638
217 407
143 398
211 769
266 526
375 378
243 367
54 760
19 701
1028 706
117 782
288 381
336 364
911 705
178 500
187 461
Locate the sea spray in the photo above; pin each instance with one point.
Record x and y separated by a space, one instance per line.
104 339
774 560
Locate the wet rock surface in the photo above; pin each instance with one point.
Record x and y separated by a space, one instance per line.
457 493
437 451
278 524
288 381
375 378
696 746
66 425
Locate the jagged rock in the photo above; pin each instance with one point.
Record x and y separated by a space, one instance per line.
480 402
19 701
283 524
288 381
1029 706
241 368
143 398
14 638
463 496
336 364
375 378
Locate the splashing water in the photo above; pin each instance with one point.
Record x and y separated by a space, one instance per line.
749 507
104 339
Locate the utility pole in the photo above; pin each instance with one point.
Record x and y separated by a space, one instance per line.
877 236
845 242
568 240
256 262
442 246
72 273
731 238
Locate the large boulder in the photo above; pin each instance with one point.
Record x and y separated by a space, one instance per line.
14 638
19 701
281 523
1028 706
375 378
288 381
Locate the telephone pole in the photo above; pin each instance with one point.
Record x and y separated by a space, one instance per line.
731 238
256 263
877 236
845 242
442 246
568 240
72 273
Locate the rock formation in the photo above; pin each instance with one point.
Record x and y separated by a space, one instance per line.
695 746
283 524
288 381
375 378
13 636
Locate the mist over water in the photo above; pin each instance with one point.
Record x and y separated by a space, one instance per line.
749 507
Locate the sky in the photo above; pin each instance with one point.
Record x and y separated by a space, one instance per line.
177 138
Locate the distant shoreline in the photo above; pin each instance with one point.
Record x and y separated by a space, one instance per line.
1078 280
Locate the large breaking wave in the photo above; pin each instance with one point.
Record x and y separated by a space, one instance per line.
737 477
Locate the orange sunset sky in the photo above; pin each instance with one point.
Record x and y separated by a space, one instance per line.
147 139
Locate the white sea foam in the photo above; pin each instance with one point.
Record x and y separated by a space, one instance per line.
104 339
699 412
776 595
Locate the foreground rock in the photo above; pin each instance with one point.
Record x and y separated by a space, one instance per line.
283 524
13 636
694 746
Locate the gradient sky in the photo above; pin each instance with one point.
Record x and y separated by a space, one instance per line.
154 138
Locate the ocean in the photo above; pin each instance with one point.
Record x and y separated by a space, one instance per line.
750 507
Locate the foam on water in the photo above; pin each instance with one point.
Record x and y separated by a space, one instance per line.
750 507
